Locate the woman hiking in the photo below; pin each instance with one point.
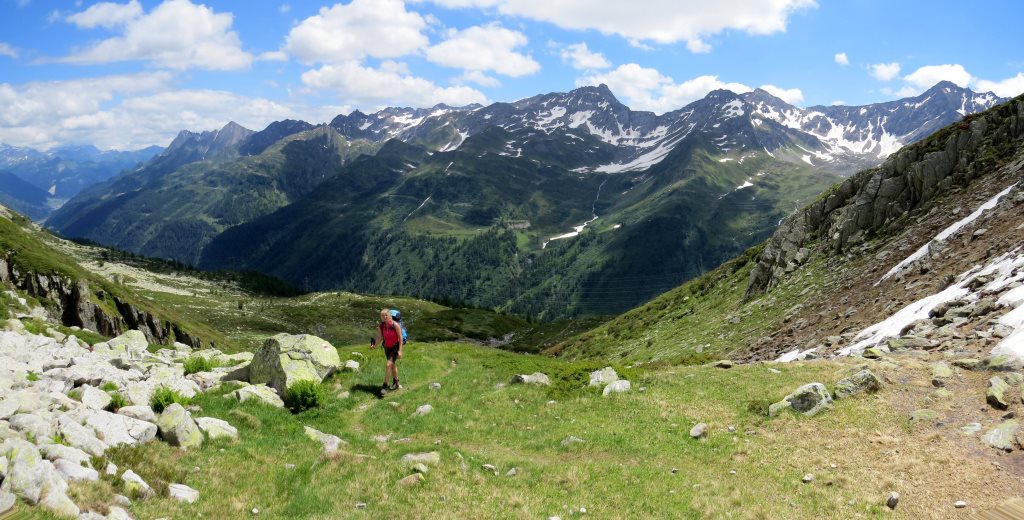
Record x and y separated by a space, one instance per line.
389 335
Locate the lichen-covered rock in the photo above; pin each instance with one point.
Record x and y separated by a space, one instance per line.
1002 436
79 436
26 473
114 429
52 452
864 381
216 428
603 377
284 359
182 493
411 480
996 393
617 387
135 486
178 429
261 393
70 470
330 443
131 341
809 399
140 412
536 378
94 397
38 427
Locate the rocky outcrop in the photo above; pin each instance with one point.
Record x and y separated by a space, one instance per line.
881 199
285 359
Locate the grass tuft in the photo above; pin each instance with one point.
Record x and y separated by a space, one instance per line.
164 397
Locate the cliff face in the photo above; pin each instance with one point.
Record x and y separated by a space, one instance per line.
880 200
72 306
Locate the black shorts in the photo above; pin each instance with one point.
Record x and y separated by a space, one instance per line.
391 353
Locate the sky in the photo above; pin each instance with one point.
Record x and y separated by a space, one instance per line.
125 75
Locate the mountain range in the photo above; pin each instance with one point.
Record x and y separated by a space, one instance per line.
555 205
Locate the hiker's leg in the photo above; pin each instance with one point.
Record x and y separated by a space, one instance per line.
394 370
388 368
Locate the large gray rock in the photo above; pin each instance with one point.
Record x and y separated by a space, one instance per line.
216 428
617 387
182 493
809 400
79 436
1002 436
536 378
95 398
178 429
70 470
140 412
135 486
53 452
39 428
6 499
603 377
284 359
114 429
133 341
996 393
261 393
330 443
864 381
26 473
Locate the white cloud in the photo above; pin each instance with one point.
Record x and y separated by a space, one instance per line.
643 88
475 76
929 75
369 88
177 34
1009 87
581 58
842 59
484 48
107 14
7 50
793 96
885 71
698 46
838 102
343 32
659 21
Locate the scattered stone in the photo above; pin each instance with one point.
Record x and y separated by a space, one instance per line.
617 387
261 393
432 458
941 372
411 480
699 431
490 467
420 468
117 513
422 410
111 469
570 440
284 359
872 353
351 366
864 381
1002 436
808 478
360 505
809 399
216 428
32 424
893 500
960 504
70 470
330 443
434 386
182 493
536 378
122 501
511 473
135 486
1001 363
941 394
178 429
996 393
603 377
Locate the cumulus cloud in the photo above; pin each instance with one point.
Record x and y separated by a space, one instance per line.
475 76
7 50
644 88
484 48
929 75
659 21
1009 87
581 58
885 71
793 96
842 59
177 34
129 111
344 32
107 14
370 88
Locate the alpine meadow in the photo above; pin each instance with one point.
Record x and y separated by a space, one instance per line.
761 259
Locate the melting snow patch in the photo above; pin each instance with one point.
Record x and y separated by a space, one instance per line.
946 233
807 159
725 159
744 185
795 355
616 226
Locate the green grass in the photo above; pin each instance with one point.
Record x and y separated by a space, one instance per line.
623 468
163 397
196 364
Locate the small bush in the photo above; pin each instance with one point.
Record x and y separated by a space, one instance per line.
108 387
76 394
164 397
32 376
118 401
304 395
199 364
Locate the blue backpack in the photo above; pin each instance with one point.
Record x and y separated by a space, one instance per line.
397 316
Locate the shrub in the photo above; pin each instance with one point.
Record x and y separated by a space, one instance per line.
108 387
164 397
199 364
117 401
304 395
32 376
76 394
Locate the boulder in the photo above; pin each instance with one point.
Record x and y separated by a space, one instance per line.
182 493
94 397
261 393
940 373
431 458
617 387
70 470
422 410
809 399
284 359
996 393
79 436
133 341
114 429
330 443
135 486
216 428
7 499
140 412
536 378
699 431
178 429
351 366
52 452
864 381
872 353
603 377
40 429
1001 363
1002 436
26 473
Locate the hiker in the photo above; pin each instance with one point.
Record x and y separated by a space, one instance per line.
389 335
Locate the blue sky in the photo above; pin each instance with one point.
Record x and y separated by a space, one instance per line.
132 73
